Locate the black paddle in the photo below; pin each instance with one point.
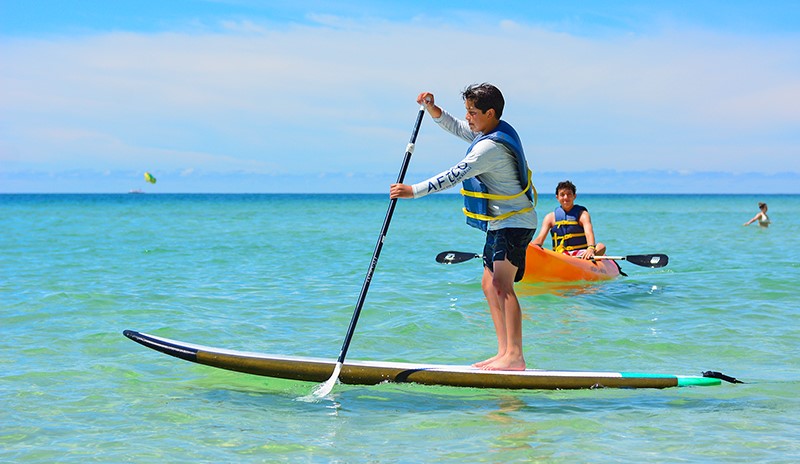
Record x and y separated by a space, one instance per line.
325 388
654 260
455 257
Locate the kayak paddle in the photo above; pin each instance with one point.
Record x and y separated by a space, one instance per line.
325 388
654 260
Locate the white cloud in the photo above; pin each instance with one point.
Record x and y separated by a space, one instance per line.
338 96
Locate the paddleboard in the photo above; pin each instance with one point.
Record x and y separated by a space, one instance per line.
375 372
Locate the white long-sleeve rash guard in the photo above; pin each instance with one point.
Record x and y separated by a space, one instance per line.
497 167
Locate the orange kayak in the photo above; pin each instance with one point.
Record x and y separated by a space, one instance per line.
544 265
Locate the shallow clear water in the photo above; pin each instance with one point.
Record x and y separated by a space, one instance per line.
281 274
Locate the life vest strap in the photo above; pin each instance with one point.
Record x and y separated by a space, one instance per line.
568 236
483 217
566 223
492 196
560 239
562 248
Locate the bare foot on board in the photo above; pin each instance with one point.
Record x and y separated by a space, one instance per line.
505 364
487 361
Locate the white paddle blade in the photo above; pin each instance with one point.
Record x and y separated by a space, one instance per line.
324 389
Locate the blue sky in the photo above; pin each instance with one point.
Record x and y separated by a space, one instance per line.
315 96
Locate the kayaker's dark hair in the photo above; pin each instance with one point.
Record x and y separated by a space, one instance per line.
485 97
566 185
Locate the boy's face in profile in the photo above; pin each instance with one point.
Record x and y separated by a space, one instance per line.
478 120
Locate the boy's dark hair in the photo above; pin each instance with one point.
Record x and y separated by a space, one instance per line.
485 97
565 184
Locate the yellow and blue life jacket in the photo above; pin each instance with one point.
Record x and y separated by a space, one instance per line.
476 194
567 233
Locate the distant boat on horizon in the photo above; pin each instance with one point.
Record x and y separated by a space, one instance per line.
136 191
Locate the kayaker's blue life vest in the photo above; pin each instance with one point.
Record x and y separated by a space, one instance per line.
567 233
477 196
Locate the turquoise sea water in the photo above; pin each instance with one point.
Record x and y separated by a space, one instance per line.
281 274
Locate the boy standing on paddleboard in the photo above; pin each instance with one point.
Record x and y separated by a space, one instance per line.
498 198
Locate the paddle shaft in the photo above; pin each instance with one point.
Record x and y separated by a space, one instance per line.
379 245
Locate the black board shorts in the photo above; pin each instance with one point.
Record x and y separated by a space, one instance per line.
510 244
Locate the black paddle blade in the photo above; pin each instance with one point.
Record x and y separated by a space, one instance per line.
721 376
455 257
657 260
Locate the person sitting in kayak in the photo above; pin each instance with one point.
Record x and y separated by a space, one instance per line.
570 226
